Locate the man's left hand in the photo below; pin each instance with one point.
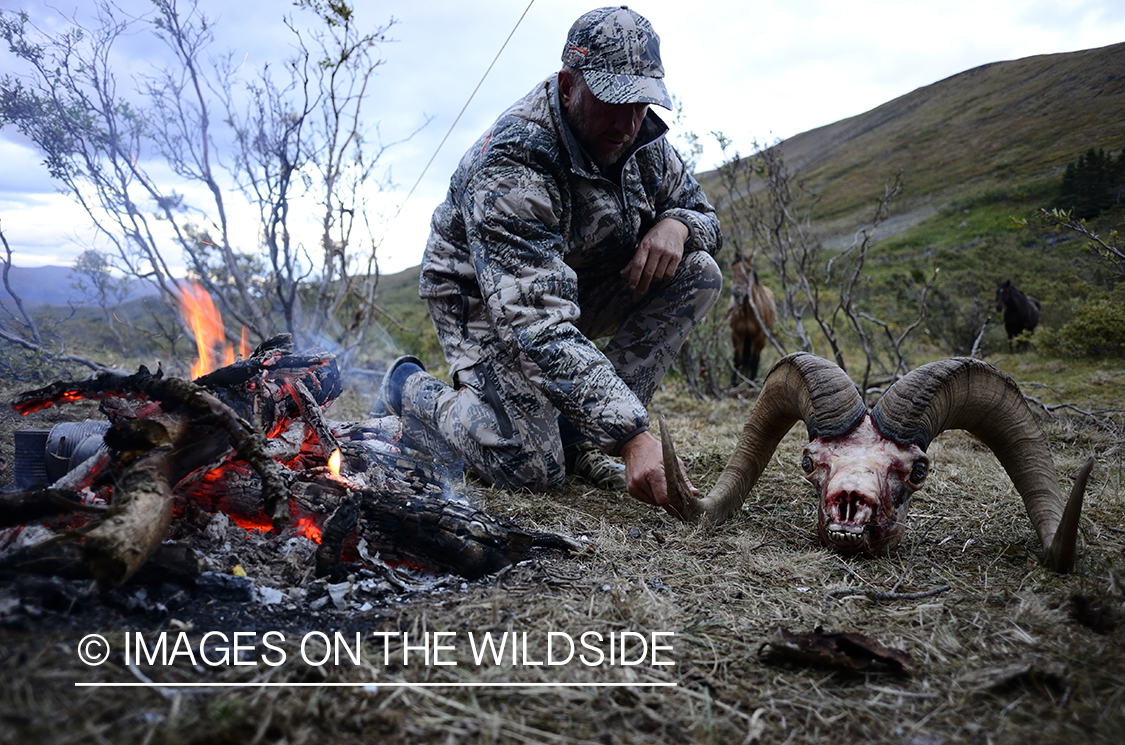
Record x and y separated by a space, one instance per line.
658 255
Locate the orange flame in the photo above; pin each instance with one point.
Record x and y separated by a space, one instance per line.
334 462
200 313
206 325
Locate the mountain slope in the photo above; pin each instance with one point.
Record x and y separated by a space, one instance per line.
1001 125
53 285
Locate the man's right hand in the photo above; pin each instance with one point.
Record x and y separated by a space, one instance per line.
657 256
645 479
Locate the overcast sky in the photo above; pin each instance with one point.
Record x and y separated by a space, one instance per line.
755 71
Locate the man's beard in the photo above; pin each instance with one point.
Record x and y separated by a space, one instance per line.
580 126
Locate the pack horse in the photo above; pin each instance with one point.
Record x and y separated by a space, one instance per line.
1021 312
751 314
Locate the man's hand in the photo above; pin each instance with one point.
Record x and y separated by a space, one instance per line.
644 472
657 256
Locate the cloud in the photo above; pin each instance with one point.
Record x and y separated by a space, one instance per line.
44 229
23 174
752 70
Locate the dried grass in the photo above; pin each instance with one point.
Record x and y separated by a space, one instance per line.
1005 655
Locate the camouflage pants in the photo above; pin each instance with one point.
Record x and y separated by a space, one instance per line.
502 427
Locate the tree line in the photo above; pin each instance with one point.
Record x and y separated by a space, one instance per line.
1092 184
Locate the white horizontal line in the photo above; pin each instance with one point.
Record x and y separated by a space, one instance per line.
375 684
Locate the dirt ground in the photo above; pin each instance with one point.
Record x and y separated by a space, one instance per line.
999 649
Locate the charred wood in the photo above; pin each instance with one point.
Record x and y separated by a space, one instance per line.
117 546
443 535
312 415
251 440
329 557
169 562
23 508
48 559
192 403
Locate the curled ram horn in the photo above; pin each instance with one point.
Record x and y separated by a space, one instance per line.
866 465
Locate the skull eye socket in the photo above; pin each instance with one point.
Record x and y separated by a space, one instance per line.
918 472
807 464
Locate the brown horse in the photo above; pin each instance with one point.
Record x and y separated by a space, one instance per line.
751 314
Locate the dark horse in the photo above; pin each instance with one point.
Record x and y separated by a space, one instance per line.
1021 312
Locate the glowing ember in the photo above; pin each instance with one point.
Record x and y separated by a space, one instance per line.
206 324
334 462
30 407
307 527
258 523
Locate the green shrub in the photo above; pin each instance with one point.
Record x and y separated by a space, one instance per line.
1097 330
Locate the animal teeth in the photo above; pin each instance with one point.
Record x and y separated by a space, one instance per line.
846 537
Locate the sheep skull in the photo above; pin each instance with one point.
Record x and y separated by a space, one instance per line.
867 464
865 483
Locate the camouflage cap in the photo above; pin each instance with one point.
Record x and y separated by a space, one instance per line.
619 55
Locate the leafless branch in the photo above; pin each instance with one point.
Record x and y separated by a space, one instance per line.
1050 409
884 595
975 351
32 340
1111 251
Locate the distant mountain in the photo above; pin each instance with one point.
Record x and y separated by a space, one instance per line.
52 285
1001 126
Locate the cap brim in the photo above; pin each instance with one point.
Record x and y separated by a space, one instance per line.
612 88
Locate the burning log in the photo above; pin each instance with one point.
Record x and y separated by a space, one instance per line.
250 439
117 545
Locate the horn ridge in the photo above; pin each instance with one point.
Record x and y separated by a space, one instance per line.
966 393
826 399
801 386
908 412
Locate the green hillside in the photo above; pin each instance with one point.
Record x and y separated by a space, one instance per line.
1004 126
980 152
976 150
407 317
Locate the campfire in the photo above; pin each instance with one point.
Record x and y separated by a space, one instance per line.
246 442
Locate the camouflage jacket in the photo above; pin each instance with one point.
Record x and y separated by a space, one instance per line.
527 217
